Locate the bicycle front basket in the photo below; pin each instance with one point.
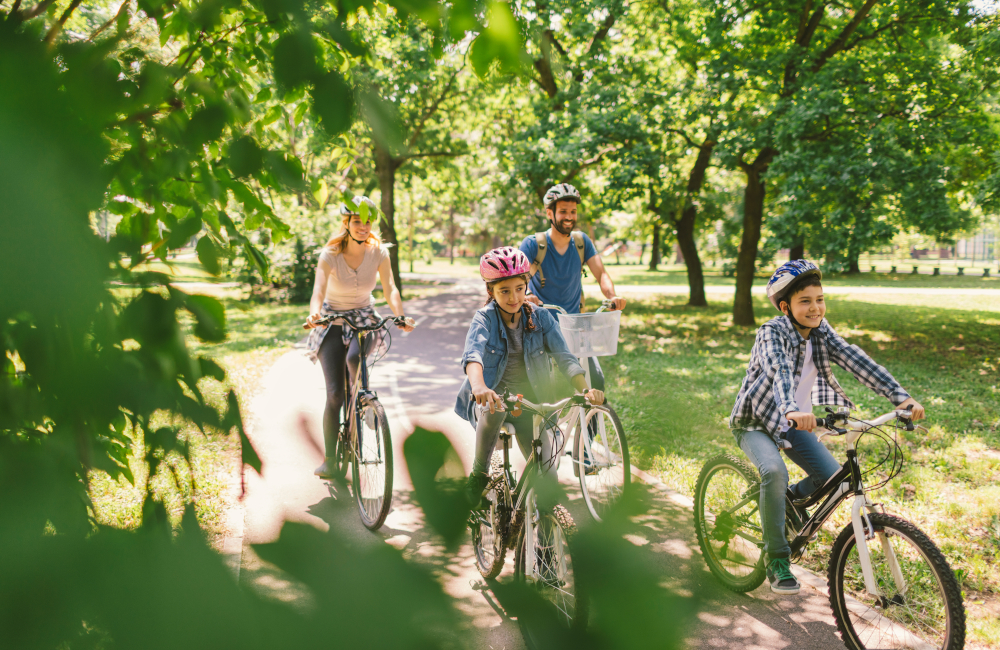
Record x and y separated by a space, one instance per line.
591 335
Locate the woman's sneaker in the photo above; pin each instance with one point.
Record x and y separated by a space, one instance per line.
474 489
779 574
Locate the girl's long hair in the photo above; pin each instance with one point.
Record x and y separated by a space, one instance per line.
530 325
336 243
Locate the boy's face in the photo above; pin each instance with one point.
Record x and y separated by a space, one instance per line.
509 294
563 218
807 306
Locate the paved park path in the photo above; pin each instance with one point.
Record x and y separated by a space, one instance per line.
417 383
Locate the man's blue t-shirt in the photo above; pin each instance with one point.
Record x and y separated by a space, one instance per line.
563 280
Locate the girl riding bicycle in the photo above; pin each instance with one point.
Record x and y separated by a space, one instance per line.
509 347
345 278
788 372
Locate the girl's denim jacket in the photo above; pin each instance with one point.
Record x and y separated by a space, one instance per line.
486 344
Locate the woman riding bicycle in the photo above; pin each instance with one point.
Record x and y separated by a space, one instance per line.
508 347
345 278
788 372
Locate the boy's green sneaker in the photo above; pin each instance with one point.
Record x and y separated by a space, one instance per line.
779 574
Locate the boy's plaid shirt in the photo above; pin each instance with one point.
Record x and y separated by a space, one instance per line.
768 390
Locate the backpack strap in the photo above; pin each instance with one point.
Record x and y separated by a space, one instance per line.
536 266
578 240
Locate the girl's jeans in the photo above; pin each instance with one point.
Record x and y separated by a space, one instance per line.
808 453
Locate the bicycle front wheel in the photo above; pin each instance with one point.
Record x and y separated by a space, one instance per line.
919 603
491 525
601 460
544 561
373 465
727 522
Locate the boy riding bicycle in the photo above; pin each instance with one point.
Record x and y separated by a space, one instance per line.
788 372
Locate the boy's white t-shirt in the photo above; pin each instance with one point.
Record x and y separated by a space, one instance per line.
803 389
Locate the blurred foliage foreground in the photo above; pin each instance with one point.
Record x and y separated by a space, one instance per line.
85 371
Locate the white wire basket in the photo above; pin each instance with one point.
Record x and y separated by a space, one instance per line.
591 335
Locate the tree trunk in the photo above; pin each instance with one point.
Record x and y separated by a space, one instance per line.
797 252
385 167
746 262
685 240
451 234
654 255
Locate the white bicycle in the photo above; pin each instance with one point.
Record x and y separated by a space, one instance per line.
599 451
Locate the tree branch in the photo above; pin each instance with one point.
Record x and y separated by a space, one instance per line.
58 25
433 108
430 154
37 10
587 163
685 136
838 43
110 22
17 5
807 29
601 34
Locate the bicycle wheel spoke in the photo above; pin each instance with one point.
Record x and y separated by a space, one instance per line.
601 460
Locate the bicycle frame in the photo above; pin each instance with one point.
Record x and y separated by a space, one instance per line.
836 490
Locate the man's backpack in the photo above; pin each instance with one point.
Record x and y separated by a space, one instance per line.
542 241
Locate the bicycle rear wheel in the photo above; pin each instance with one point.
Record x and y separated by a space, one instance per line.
727 522
600 459
373 465
919 603
543 560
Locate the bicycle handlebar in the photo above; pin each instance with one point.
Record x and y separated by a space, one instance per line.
843 414
606 304
398 321
544 409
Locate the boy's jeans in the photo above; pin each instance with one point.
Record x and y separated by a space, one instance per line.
808 453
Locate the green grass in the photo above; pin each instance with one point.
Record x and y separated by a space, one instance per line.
677 274
678 370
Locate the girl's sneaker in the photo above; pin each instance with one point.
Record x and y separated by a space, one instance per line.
779 574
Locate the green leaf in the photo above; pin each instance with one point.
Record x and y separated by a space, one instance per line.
245 157
206 125
295 59
210 368
208 255
287 169
262 96
438 486
258 258
320 192
333 103
300 110
210 317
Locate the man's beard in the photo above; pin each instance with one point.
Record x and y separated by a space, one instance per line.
563 227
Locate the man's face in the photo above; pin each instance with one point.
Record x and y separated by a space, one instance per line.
563 218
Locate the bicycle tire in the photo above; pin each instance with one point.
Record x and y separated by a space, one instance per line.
722 561
558 518
601 490
891 614
490 557
373 487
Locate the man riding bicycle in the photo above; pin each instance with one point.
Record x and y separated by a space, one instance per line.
556 271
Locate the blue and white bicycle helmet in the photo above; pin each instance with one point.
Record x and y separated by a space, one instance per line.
561 192
786 274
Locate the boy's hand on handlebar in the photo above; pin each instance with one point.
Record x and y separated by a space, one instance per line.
487 397
801 420
533 299
311 321
594 396
914 407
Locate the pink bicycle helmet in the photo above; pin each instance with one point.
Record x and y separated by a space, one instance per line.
503 262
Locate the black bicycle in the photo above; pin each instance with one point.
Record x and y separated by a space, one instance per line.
364 441
889 585
542 536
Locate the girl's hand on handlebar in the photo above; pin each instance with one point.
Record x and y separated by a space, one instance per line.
487 397
801 420
594 396
407 325
914 407
311 321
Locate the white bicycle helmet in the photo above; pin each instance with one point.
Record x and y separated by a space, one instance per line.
786 274
354 209
561 192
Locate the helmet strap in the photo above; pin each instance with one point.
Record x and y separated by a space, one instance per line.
356 241
792 318
505 312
